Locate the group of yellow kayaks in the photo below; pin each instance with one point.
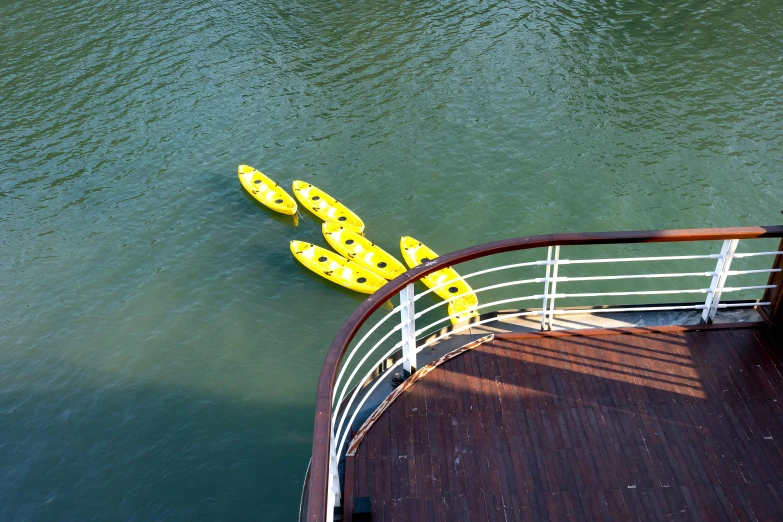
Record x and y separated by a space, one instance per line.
358 264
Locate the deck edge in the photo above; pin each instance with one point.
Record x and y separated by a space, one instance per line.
633 330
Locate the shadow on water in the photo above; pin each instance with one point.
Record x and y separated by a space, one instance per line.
146 451
282 219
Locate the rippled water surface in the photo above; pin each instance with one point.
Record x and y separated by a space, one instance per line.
159 347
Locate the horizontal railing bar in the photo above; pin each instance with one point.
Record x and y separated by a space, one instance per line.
589 294
634 309
364 359
633 276
467 326
344 438
742 305
589 310
640 292
568 262
741 288
762 271
591 278
491 287
754 254
480 272
632 259
347 360
653 308
359 388
663 292
495 303
589 261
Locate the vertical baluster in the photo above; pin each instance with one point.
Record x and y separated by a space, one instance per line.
554 286
546 289
408 319
718 280
333 496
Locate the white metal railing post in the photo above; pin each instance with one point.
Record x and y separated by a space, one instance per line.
334 494
554 287
546 289
718 280
408 321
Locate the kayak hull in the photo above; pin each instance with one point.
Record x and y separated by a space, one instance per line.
336 268
447 283
326 207
362 251
266 191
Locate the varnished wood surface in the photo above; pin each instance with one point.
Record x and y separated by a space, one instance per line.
319 469
647 426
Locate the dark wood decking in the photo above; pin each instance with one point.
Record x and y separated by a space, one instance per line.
660 426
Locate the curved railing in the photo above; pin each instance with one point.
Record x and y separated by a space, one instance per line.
348 378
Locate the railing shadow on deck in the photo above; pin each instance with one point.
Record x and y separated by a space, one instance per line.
503 397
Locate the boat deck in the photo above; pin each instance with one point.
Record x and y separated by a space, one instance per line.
665 425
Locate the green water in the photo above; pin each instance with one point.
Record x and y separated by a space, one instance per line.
159 347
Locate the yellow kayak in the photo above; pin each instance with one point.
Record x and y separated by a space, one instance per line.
266 191
326 207
415 253
336 268
362 251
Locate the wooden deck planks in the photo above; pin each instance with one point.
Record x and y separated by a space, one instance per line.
650 426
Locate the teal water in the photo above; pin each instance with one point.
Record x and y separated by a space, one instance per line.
159 347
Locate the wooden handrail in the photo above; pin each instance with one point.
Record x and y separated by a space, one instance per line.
319 471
